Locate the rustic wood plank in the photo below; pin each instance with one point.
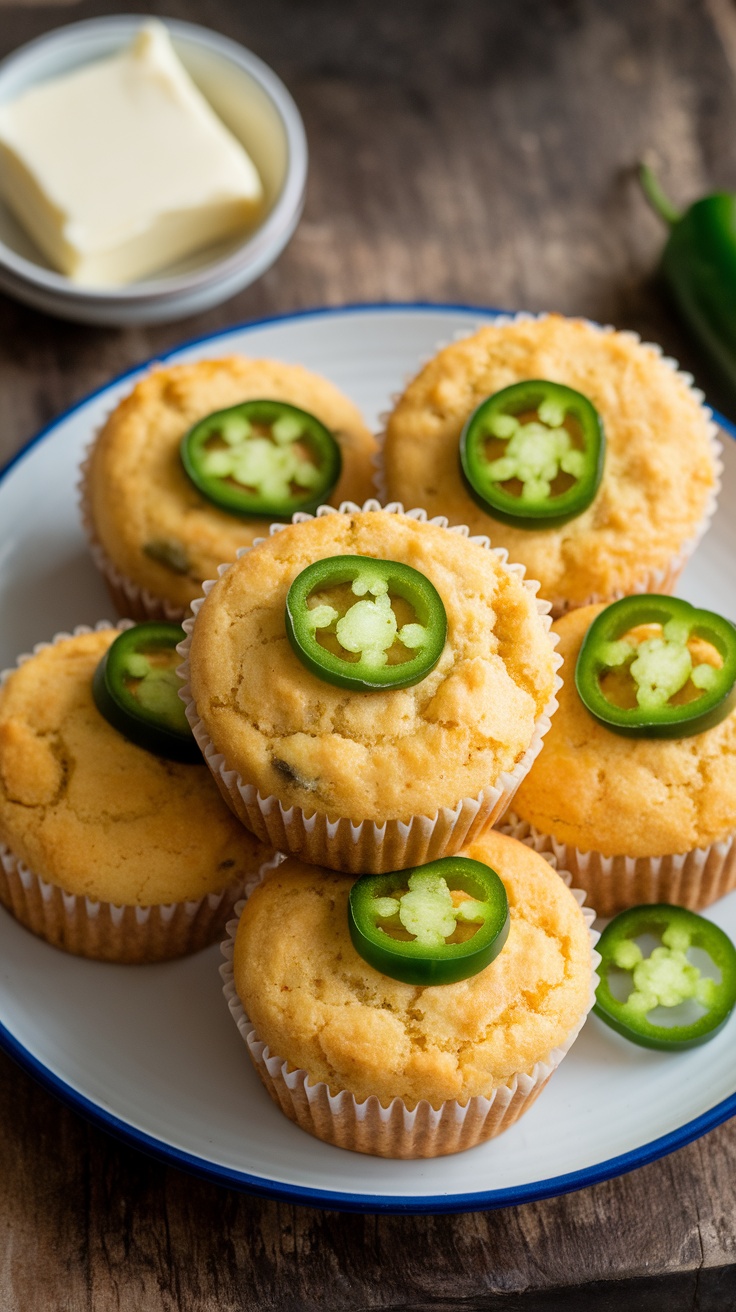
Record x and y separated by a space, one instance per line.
467 152
115 1230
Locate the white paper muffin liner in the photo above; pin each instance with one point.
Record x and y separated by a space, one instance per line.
396 1131
365 847
692 879
662 580
106 931
127 597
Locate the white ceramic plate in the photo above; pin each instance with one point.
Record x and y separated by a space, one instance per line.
150 1052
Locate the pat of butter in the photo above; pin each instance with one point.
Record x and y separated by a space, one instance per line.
122 167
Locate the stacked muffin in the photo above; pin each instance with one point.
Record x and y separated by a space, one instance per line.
114 841
154 534
645 818
660 469
108 848
636 814
383 1066
366 691
338 756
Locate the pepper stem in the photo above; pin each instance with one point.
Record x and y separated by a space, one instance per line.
659 201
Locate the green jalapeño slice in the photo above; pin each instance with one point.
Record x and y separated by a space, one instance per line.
436 924
262 458
364 623
136 688
655 667
532 454
663 998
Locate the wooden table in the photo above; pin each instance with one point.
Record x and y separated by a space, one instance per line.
460 152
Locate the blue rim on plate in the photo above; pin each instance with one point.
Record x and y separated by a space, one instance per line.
346 1202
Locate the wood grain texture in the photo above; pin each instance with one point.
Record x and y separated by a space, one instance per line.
465 152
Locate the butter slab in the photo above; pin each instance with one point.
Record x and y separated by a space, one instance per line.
121 168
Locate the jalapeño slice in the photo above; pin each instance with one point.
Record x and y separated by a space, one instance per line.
532 454
642 1007
351 604
435 924
262 458
136 688
655 667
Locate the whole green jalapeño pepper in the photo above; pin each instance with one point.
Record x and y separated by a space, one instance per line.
665 979
136 688
699 266
262 458
655 667
532 454
350 602
436 924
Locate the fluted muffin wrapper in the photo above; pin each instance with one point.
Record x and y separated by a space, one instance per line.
127 597
365 847
396 1130
692 879
661 580
106 931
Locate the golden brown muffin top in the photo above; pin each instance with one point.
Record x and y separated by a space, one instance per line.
659 469
323 1009
96 815
604 792
139 497
371 755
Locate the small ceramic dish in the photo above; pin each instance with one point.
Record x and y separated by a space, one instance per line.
249 98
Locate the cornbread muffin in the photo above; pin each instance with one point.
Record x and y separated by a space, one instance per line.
102 820
635 819
156 537
315 1002
381 757
660 473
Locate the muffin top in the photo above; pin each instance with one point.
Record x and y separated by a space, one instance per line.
143 507
89 811
323 1009
641 797
659 467
382 754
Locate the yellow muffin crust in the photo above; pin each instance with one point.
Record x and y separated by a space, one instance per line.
96 815
378 755
641 797
137 492
659 469
323 1009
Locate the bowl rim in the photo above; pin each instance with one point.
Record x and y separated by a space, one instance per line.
288 202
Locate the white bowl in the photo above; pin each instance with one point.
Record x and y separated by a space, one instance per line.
250 99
